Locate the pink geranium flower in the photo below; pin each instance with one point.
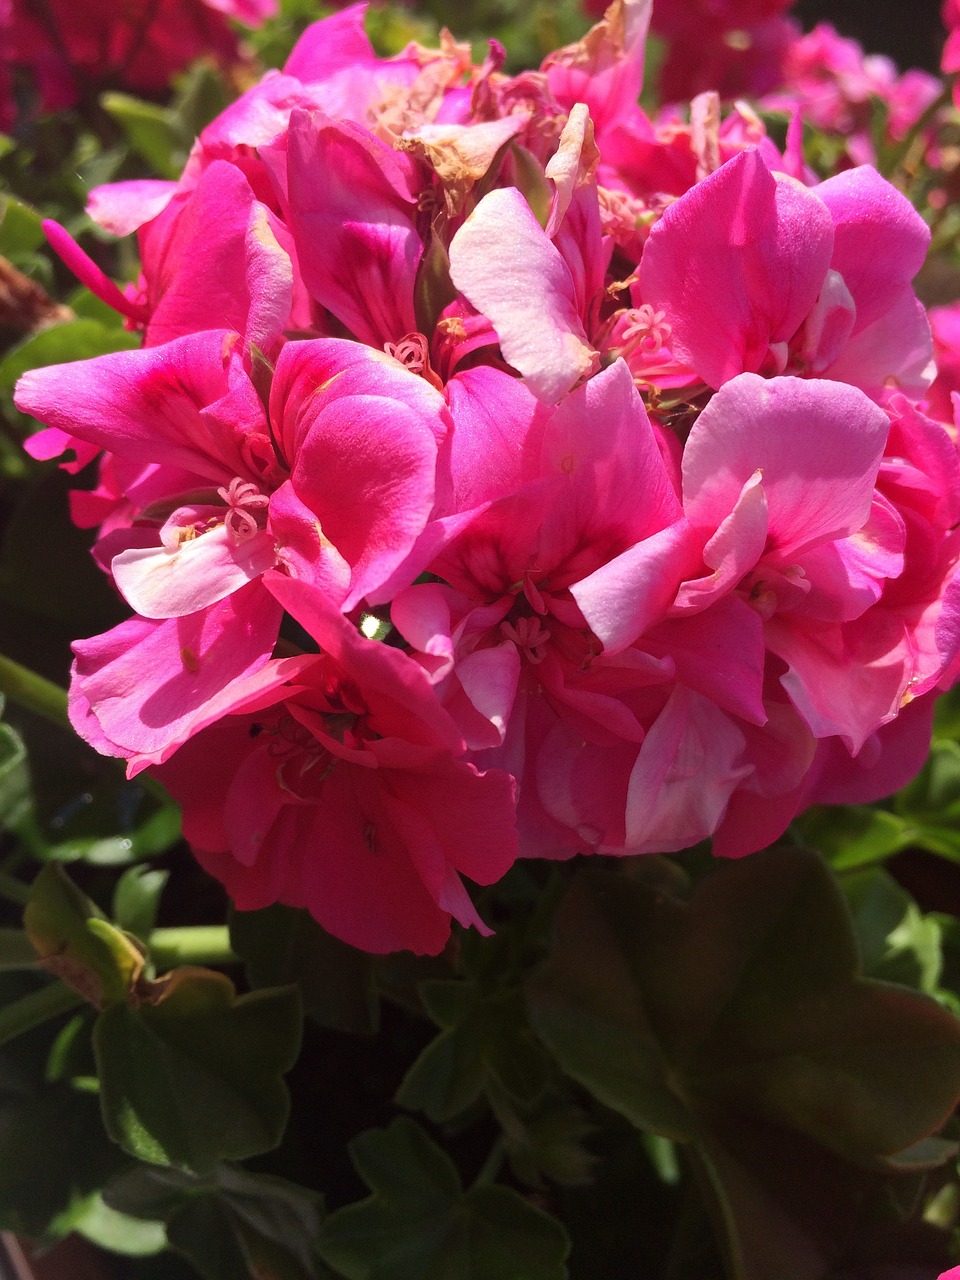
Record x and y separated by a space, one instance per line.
334 480
338 785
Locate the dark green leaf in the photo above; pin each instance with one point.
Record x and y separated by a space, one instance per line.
15 792
76 943
420 1224
490 1039
281 945
749 990
20 229
53 1155
232 1224
196 1078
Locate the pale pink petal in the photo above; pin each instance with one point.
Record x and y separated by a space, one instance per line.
733 550
122 207
817 444
158 582
689 765
880 240
632 592
506 267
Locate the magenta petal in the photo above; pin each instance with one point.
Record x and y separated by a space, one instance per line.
494 417
330 45
817 444
222 260
880 241
366 468
302 547
506 267
736 264
148 683
353 213
141 403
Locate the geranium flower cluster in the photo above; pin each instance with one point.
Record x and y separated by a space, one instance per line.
499 475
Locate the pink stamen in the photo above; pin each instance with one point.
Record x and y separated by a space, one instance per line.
246 502
528 634
646 329
412 352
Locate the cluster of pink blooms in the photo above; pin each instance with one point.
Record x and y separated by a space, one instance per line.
52 50
754 49
501 474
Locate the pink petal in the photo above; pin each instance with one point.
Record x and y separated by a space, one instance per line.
818 445
507 268
161 583
737 264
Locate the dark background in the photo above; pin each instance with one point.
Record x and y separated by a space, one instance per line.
910 32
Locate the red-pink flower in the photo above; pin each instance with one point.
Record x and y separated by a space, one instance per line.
339 785
66 51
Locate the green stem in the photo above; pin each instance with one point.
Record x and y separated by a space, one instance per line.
25 687
191 944
36 1008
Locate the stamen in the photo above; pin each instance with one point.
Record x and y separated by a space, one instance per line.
528 634
245 502
411 351
646 329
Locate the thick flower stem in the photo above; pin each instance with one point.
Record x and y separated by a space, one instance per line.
34 692
197 944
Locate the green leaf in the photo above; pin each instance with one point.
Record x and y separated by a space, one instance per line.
153 132
750 991
735 1018
196 1078
15 791
932 800
20 228
854 835
230 1225
16 950
76 943
136 899
75 340
552 1145
118 1232
419 1223
281 945
489 1041
897 943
